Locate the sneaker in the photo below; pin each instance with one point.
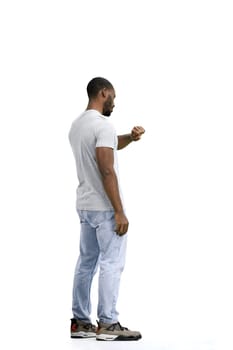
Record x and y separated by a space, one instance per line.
115 332
81 329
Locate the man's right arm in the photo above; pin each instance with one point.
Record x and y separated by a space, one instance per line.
105 161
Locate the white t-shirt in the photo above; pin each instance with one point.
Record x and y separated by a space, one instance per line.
90 130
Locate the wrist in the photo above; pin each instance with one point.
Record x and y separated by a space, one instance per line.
119 211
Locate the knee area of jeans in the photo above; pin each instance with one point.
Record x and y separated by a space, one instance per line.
110 268
86 269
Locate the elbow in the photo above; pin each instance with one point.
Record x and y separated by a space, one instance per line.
106 173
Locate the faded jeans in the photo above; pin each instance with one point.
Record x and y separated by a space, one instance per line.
99 246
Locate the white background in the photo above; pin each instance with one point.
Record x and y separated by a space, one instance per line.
171 65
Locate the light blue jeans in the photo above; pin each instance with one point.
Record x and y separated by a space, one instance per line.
99 246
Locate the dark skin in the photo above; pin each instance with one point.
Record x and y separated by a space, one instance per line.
104 103
135 135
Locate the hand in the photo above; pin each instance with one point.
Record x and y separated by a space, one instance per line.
137 132
122 223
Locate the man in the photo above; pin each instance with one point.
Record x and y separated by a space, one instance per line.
102 218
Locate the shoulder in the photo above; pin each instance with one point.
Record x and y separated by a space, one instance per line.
103 123
105 130
105 134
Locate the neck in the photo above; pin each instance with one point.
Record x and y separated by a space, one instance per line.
95 106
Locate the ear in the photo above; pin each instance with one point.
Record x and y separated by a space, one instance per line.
104 92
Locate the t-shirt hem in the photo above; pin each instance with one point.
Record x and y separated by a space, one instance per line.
95 209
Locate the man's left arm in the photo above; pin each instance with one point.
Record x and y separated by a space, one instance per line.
135 135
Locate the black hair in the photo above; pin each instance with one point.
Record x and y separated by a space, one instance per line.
97 84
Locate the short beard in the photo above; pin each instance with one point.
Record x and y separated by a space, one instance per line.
107 113
107 108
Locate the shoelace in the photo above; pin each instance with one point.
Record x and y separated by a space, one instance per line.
89 325
117 325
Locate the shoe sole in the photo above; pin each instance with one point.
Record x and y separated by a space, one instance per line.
82 335
109 337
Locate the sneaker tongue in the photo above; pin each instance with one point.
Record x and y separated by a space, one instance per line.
117 326
114 326
122 328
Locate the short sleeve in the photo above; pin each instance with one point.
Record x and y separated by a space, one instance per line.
106 135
